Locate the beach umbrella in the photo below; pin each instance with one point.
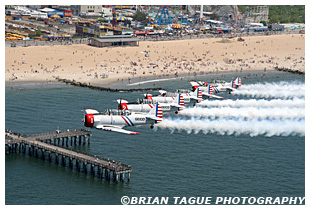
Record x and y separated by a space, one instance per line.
121 18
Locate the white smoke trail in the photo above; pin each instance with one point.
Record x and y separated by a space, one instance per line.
295 102
275 86
236 127
245 113
271 93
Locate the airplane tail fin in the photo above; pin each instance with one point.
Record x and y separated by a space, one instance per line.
159 113
210 91
199 94
156 112
233 84
238 82
181 102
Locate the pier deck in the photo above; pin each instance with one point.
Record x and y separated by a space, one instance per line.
46 146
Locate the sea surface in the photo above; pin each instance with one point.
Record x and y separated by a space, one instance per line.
164 163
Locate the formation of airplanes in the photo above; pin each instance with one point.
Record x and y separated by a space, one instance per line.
149 110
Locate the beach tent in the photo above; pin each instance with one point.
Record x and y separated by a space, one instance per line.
176 26
55 16
121 18
153 25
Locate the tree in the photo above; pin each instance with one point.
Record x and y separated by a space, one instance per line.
274 19
214 16
139 16
264 23
38 32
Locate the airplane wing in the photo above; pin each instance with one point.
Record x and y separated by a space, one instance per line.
91 111
176 105
154 118
213 96
230 88
194 97
115 129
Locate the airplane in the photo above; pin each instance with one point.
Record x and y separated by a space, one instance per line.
115 120
145 105
206 91
218 86
167 97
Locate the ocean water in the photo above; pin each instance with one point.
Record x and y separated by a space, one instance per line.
164 163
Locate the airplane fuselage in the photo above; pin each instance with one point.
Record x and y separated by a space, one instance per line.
147 107
162 99
118 120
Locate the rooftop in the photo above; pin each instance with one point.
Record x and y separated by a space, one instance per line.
121 38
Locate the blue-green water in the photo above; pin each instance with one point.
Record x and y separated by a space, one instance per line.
164 164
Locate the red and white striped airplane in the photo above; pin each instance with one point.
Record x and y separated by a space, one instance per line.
115 120
145 105
167 97
217 86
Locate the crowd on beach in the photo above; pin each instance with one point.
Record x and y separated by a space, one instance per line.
85 63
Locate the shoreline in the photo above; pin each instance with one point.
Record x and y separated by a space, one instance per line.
144 79
130 86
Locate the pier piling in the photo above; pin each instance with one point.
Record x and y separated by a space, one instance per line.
47 145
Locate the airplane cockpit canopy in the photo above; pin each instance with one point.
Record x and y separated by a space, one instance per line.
183 91
117 112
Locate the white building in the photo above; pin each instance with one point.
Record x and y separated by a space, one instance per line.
107 12
38 14
78 9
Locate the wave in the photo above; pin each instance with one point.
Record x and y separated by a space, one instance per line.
148 81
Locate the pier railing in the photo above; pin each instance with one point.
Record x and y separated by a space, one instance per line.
18 143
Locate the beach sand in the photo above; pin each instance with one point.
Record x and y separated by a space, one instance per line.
97 66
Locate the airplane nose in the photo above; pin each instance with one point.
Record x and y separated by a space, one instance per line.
89 120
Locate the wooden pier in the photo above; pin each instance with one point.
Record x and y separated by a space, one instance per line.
53 147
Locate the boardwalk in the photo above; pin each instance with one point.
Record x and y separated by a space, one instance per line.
46 146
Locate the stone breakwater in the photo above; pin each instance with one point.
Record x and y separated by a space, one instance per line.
79 84
290 70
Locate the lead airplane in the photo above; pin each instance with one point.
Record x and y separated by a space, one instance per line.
115 120
145 105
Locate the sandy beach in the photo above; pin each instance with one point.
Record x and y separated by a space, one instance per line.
93 65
